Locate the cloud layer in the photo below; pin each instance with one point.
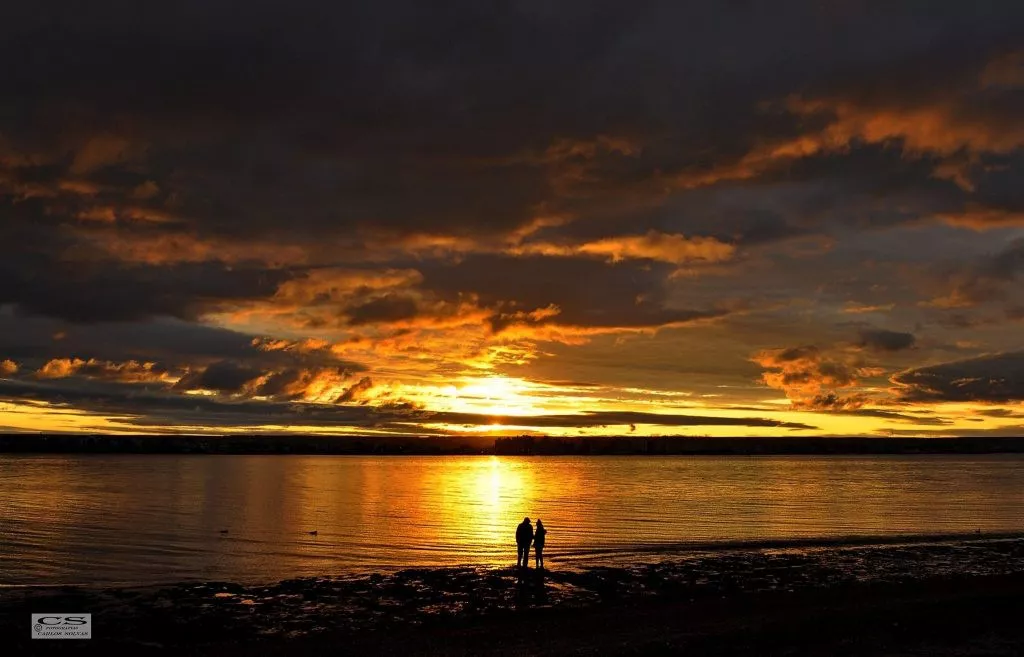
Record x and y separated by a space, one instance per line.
696 207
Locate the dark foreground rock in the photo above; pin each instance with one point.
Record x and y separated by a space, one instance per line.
962 598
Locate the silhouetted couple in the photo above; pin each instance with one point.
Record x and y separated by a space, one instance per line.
525 535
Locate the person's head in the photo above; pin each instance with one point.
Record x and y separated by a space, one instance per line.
526 520
539 523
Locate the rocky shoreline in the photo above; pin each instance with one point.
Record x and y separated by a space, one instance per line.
189 617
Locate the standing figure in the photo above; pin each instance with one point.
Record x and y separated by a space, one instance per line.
538 543
524 536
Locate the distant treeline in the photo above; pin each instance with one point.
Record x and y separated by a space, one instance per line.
522 445
245 444
519 445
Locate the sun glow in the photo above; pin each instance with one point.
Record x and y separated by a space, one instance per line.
495 396
498 395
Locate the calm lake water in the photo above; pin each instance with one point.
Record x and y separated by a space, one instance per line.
98 519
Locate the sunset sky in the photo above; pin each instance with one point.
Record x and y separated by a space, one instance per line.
582 218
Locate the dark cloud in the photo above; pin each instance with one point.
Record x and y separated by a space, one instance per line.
983 279
893 415
1009 262
334 117
221 376
995 378
617 418
104 291
280 383
587 293
832 402
356 390
176 343
181 342
999 412
855 405
383 310
882 340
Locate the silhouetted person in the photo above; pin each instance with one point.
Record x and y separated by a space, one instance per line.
524 536
538 543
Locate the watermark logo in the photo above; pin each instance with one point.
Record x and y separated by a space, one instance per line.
61 626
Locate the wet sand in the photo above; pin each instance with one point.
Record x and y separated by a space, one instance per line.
962 597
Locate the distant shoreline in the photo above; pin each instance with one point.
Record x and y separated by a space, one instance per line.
504 446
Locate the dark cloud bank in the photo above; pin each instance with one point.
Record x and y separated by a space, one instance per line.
996 378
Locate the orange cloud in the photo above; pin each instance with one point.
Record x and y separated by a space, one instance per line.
427 244
939 128
664 247
853 308
101 151
175 247
129 371
943 127
563 149
82 187
8 367
809 377
338 299
537 315
145 190
309 345
103 214
574 334
1004 71
537 224
957 298
114 213
321 385
675 249
980 218
332 285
